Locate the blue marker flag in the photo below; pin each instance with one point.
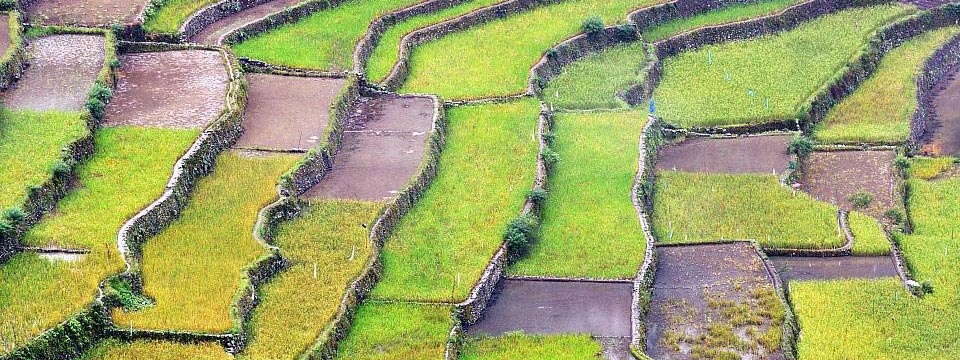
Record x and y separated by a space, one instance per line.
653 107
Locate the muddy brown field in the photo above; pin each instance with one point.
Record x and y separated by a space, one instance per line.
179 89
383 145
715 299
945 137
842 267
286 112
62 70
212 33
748 154
85 12
832 176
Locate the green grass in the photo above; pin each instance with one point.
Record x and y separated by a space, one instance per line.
594 81
768 78
589 215
385 53
925 168
322 41
387 331
495 58
169 17
155 350
879 111
128 171
691 207
877 319
328 246
439 250
869 238
728 14
523 346
30 145
194 266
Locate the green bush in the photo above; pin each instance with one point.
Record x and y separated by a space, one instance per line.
550 157
896 216
537 196
592 25
861 199
902 164
61 168
519 234
801 146
14 215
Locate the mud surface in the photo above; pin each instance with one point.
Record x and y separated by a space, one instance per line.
844 267
286 112
832 176
85 12
552 307
749 154
178 89
63 69
211 34
945 137
695 286
617 348
4 33
383 146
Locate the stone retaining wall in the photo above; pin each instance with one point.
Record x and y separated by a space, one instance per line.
651 138
213 13
68 340
326 344
287 16
15 58
43 198
791 329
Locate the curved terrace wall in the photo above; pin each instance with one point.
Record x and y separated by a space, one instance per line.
642 196
15 58
212 13
938 65
275 20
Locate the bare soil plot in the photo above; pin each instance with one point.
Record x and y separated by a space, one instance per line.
844 267
945 137
748 154
711 301
551 307
177 89
85 12
833 176
211 34
383 146
286 112
62 70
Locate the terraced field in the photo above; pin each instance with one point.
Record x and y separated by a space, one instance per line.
479 179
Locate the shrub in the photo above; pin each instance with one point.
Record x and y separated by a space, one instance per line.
61 168
14 215
519 233
895 216
550 157
801 146
902 165
861 199
537 196
592 25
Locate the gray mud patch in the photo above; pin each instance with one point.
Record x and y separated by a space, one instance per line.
843 267
212 33
91 13
286 112
711 301
747 154
177 89
601 309
833 176
62 70
383 146
945 134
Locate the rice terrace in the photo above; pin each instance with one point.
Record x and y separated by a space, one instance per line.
480 179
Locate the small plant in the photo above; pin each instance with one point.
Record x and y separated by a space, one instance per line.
592 26
550 157
860 199
14 215
902 164
61 168
627 32
537 196
895 216
801 146
552 53
519 233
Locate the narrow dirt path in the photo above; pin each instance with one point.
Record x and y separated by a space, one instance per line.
945 138
179 89
748 154
63 69
287 113
712 299
383 146
843 267
211 34
91 13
